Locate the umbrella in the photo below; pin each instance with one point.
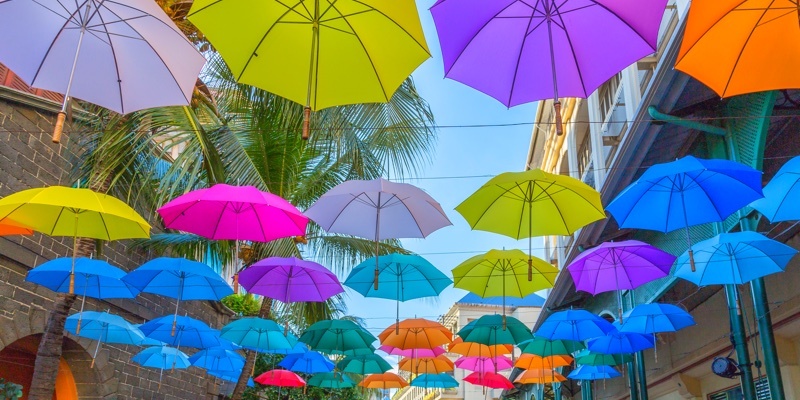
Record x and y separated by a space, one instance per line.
64 211
426 365
587 357
93 278
532 361
684 193
489 379
544 49
620 343
309 362
499 273
731 46
189 332
540 376
337 336
484 364
394 351
225 212
656 318
218 360
734 258
290 279
280 378
544 347
9 227
495 329
125 56
434 381
593 372
472 349
103 327
256 333
384 381
405 277
509 204
576 325
319 54
616 266
227 376
416 333
331 380
378 210
781 194
363 365
180 279
161 357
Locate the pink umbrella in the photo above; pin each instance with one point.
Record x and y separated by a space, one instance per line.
416 353
484 364
489 379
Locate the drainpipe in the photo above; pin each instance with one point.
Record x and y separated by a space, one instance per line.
587 388
740 342
557 390
632 380
700 126
642 375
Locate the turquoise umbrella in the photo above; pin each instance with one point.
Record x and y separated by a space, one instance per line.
364 365
494 329
218 359
337 337
256 333
586 357
331 380
544 348
435 381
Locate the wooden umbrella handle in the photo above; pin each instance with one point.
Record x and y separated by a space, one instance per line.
59 128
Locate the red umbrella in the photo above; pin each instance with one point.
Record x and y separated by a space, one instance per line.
489 379
281 378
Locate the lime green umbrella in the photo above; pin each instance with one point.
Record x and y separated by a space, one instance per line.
320 53
532 203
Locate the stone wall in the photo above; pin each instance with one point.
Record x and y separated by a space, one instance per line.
28 159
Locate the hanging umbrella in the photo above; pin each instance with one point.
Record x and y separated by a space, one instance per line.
395 351
577 325
545 347
781 194
434 381
9 228
532 361
189 332
180 279
227 376
484 364
546 49
363 365
280 378
494 329
734 258
593 372
161 357
500 273
378 210
684 193
540 376
319 54
405 277
511 202
656 318
64 211
426 365
384 381
309 362
218 359
226 212
587 357
104 328
620 343
331 380
257 333
416 333
731 46
617 266
125 56
472 349
290 279
337 336
489 379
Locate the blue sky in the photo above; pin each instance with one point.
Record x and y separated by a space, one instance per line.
459 152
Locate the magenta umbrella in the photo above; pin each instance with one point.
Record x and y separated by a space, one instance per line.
543 49
484 364
619 266
290 279
412 353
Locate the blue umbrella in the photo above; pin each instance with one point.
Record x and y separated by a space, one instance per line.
310 362
189 332
578 325
735 258
104 327
782 194
438 381
616 342
297 347
227 376
685 193
593 372
218 359
161 357
656 318
180 279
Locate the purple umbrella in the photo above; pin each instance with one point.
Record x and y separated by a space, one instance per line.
290 279
565 42
619 266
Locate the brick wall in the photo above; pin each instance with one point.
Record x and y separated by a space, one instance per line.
28 159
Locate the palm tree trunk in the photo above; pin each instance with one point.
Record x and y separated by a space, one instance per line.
250 361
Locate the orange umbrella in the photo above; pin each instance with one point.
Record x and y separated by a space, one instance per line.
742 46
416 333
426 365
540 376
533 361
383 381
9 227
471 349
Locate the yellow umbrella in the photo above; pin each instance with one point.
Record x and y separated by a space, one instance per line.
426 365
320 53
64 211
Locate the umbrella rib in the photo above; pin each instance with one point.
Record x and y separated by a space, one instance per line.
114 53
519 57
68 19
572 48
421 45
711 26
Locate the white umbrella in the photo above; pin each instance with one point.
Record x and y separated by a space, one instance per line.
124 55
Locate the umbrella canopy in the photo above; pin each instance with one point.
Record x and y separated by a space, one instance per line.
256 333
620 343
189 332
532 361
587 357
104 327
545 347
781 194
484 364
489 379
434 381
290 279
280 378
495 329
309 362
337 337
331 380
416 333
384 381
404 277
178 278
9 227
225 212
426 365
576 325
656 318
730 46
619 266
593 372
218 359
363 365
734 258
540 376
93 278
230 377
394 351
471 349
161 357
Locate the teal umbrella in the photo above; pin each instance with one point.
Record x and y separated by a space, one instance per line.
331 380
435 381
587 357
337 337
364 365
544 348
495 329
256 334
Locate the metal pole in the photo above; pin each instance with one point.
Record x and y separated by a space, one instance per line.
632 380
587 387
740 342
642 375
767 337
557 390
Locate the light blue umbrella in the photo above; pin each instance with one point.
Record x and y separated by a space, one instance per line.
734 258
435 381
616 342
161 357
257 334
227 376
331 380
104 327
782 194
577 325
218 359
593 372
656 318
309 362
188 332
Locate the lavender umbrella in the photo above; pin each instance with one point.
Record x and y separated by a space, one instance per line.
619 266
529 44
290 279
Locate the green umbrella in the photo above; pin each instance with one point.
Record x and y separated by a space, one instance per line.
586 357
495 329
364 364
331 380
544 348
337 337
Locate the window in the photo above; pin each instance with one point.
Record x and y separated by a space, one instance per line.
735 393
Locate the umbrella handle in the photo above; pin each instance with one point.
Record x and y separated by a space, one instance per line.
306 122
376 278
691 260
530 269
174 323
236 283
59 128
78 328
559 122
